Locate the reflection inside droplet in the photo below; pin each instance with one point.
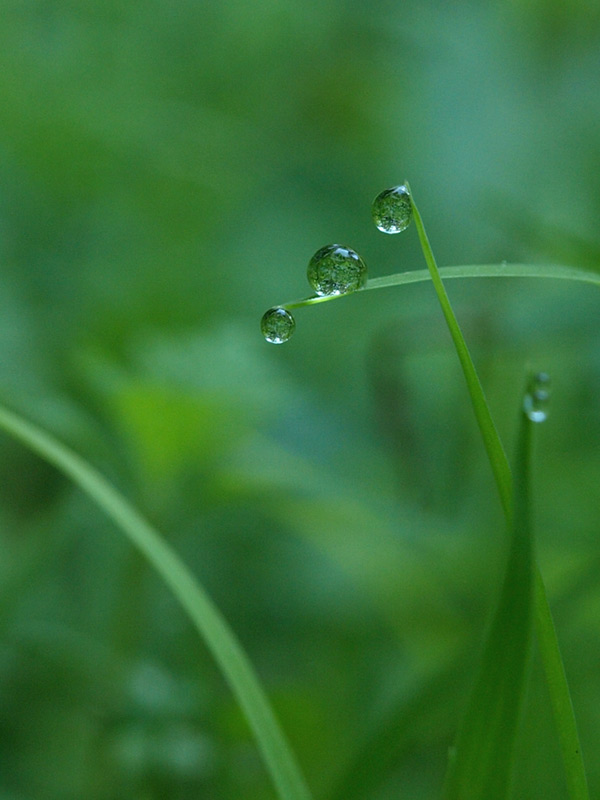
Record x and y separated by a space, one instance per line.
335 269
277 325
392 210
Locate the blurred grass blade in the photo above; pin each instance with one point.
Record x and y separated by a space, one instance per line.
547 271
481 764
550 650
215 631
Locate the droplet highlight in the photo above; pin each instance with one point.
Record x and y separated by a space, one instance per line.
277 325
537 397
392 210
336 269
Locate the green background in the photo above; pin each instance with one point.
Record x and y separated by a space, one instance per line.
167 169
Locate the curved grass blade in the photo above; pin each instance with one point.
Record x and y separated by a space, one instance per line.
481 764
548 271
213 628
489 434
550 651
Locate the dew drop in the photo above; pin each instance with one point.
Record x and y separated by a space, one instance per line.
392 210
537 396
277 325
336 269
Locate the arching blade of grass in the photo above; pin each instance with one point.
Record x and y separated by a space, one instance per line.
480 767
215 631
550 651
489 434
548 271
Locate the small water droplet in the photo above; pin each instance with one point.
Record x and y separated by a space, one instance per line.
277 325
336 269
392 210
537 396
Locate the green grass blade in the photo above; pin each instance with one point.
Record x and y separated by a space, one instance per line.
550 651
481 764
560 698
547 271
489 434
215 631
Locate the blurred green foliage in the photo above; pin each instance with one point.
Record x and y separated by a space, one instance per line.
166 172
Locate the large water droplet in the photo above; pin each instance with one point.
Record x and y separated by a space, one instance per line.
537 396
277 325
336 269
392 210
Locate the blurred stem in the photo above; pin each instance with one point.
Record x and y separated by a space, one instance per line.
212 627
549 647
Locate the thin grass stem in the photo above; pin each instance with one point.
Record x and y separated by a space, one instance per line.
549 647
547 271
489 434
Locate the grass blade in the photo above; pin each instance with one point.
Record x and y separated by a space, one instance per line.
212 627
481 765
550 650
489 434
548 271
560 698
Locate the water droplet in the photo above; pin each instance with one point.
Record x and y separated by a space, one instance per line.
336 269
392 210
537 396
277 325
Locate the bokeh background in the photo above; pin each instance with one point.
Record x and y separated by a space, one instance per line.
166 171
